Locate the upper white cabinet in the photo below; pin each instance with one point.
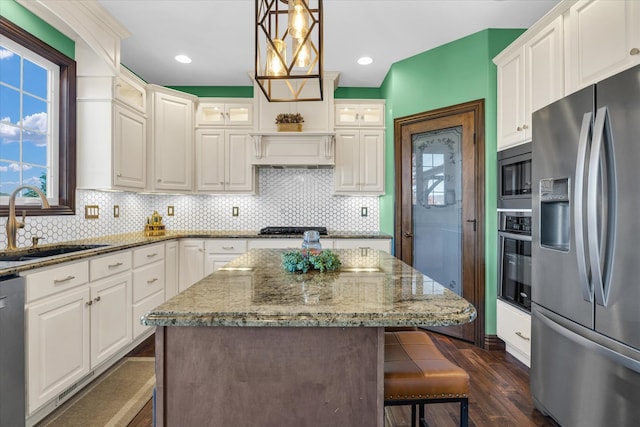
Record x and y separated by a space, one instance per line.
220 112
223 161
359 165
530 76
359 113
112 132
172 139
604 39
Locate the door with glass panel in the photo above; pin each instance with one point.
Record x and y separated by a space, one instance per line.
438 226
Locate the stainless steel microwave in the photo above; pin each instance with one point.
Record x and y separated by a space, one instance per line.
514 177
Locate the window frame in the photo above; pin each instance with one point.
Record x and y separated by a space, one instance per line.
66 122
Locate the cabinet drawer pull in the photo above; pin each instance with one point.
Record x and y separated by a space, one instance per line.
66 279
152 255
155 279
228 248
117 264
518 333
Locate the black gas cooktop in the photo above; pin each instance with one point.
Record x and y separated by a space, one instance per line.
292 230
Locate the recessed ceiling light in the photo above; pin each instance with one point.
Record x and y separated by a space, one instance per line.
183 59
365 60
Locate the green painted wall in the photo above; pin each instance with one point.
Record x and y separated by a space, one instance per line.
20 16
357 93
217 91
451 74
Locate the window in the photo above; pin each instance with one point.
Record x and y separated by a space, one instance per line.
37 122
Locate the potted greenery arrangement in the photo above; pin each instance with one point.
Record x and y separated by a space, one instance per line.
289 122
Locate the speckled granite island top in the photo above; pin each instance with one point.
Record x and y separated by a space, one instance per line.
372 289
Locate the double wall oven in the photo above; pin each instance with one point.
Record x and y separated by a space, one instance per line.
514 225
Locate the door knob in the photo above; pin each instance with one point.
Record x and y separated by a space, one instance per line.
407 234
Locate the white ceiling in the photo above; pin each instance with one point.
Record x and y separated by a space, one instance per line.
219 35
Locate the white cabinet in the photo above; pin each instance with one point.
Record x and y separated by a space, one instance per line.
224 112
218 252
148 283
359 113
382 244
514 328
604 39
111 132
223 161
359 162
201 257
57 345
129 148
74 325
530 76
172 137
110 322
191 262
171 269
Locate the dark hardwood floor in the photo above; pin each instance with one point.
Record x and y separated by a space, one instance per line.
499 393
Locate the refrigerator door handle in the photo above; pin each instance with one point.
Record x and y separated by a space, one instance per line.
578 193
600 275
586 343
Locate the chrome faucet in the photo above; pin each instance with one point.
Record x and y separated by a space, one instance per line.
12 223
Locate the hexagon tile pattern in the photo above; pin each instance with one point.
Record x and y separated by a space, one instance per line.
291 197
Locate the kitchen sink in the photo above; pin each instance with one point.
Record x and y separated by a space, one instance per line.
38 253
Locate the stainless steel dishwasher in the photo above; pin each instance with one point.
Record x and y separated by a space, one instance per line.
12 378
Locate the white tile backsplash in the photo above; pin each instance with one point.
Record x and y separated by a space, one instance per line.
291 197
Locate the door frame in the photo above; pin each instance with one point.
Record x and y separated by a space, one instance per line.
477 108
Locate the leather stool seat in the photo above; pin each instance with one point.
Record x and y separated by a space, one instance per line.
417 373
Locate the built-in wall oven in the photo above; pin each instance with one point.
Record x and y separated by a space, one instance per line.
514 177
514 232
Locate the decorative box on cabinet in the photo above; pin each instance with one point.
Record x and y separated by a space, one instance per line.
223 161
359 113
224 112
514 328
604 39
530 76
359 165
172 138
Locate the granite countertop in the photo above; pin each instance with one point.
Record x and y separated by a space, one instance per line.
372 289
119 242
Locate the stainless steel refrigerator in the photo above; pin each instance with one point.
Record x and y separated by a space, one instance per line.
585 343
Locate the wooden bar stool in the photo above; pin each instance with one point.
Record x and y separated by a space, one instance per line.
416 373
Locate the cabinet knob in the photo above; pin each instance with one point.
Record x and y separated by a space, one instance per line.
96 299
525 126
88 303
519 129
634 51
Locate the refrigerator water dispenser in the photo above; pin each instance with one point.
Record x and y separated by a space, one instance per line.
555 227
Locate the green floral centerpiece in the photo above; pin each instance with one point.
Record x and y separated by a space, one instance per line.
298 261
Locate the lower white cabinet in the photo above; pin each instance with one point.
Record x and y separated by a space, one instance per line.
110 307
382 244
201 257
73 324
171 269
148 283
58 335
514 328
